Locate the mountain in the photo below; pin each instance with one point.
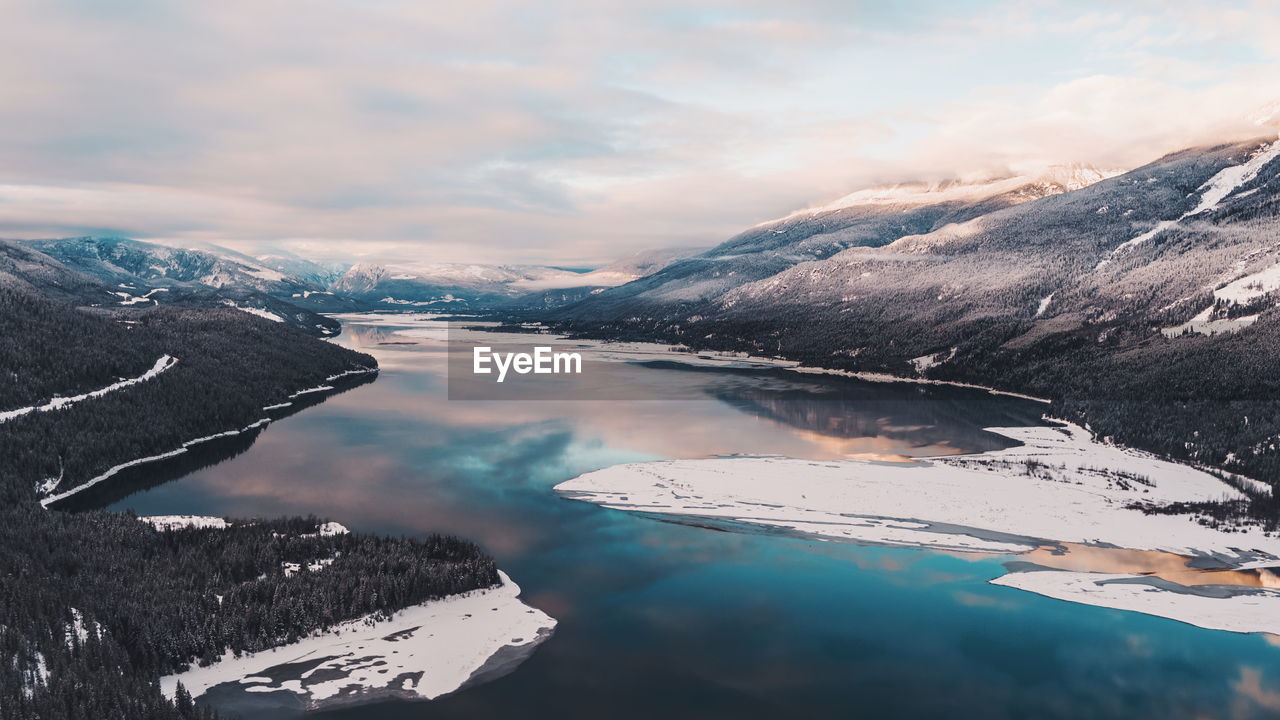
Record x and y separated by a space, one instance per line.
135 273
26 269
868 218
559 291
294 265
117 260
441 286
1143 304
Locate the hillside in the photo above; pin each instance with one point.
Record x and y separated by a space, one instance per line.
872 218
97 606
135 273
1143 304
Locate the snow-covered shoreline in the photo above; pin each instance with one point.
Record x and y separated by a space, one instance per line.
422 652
110 472
637 351
1059 486
187 445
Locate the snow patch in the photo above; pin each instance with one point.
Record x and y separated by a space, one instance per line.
1250 287
1203 325
1044 304
177 522
266 314
1229 179
1213 192
924 362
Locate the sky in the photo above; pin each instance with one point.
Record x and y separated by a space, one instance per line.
573 132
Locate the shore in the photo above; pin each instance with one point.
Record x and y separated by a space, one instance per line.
1059 486
420 653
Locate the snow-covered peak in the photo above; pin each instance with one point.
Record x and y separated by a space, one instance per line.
363 277
1053 180
1267 116
618 272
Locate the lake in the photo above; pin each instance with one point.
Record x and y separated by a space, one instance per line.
663 619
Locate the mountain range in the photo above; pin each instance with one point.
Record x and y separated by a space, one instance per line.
1141 302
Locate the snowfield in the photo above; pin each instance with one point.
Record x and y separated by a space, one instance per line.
1059 486
421 653
163 363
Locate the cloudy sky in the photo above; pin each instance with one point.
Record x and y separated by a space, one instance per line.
571 132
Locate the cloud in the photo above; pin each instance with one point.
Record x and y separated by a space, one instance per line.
573 131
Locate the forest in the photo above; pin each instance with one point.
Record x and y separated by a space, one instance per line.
95 606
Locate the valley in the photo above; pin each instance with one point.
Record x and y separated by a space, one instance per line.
938 370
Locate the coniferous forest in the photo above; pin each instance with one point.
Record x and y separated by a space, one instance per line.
97 606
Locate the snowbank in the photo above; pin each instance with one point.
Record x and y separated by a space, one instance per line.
423 652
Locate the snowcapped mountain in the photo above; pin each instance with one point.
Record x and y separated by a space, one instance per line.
1128 300
618 272
25 269
443 286
867 218
135 273
293 265
123 260
1056 179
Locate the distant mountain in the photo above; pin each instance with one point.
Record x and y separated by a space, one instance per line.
121 260
1144 303
868 218
441 286
22 268
293 265
558 291
134 273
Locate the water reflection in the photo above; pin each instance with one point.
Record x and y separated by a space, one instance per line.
659 619
1175 568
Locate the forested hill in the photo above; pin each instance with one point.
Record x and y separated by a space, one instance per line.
1144 304
222 368
116 272
95 606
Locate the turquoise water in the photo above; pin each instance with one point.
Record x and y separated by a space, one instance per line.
660 619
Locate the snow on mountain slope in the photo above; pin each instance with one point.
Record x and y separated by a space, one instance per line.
1007 263
864 219
1212 193
1056 179
615 273
116 260
983 277
457 285
145 274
